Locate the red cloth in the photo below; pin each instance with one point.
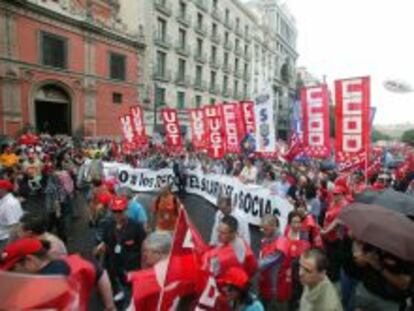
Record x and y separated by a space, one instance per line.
145 297
28 139
309 224
84 274
227 258
331 214
266 286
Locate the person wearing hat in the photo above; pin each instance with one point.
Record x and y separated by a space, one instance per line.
234 284
333 231
10 211
31 256
121 245
8 158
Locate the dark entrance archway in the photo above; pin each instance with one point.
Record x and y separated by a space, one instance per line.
53 110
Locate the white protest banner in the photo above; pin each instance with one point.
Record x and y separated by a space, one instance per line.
254 201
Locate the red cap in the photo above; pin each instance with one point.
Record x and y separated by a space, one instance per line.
119 204
236 277
339 190
17 250
6 185
110 184
104 198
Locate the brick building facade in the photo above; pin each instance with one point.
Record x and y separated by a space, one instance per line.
66 65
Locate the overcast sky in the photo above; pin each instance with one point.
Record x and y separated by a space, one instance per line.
347 38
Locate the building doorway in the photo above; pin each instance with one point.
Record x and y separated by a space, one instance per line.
53 110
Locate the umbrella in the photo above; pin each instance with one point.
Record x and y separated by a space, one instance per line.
390 199
383 228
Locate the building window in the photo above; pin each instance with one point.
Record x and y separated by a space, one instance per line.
236 88
246 30
183 9
182 38
245 91
237 23
199 74
227 16
236 65
226 59
213 79
181 69
199 47
180 100
160 66
225 83
213 53
199 20
161 29
237 43
246 49
214 29
117 66
159 96
246 69
54 50
215 4
212 101
198 101
117 98
226 37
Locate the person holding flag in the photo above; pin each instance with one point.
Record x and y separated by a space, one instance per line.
232 250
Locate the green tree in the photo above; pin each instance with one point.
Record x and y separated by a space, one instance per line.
408 137
377 135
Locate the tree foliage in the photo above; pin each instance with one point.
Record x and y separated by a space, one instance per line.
408 137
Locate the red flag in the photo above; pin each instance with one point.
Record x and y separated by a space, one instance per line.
28 292
315 107
138 125
197 125
126 127
214 134
184 275
295 148
172 129
248 119
353 118
232 134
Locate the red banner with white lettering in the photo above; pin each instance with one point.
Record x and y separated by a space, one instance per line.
138 125
231 127
214 134
353 130
315 108
172 129
248 124
197 125
126 128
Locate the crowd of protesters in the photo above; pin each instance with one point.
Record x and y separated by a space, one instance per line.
314 264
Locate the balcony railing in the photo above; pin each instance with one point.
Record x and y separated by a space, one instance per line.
246 76
214 63
163 6
238 73
199 57
227 68
162 75
216 14
238 31
183 50
238 51
182 80
200 29
228 23
200 85
202 5
214 89
216 38
228 45
227 92
184 19
248 37
162 41
248 55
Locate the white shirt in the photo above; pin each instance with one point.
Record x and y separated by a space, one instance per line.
10 214
249 174
243 226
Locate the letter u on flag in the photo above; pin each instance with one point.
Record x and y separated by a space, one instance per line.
138 125
172 129
198 131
